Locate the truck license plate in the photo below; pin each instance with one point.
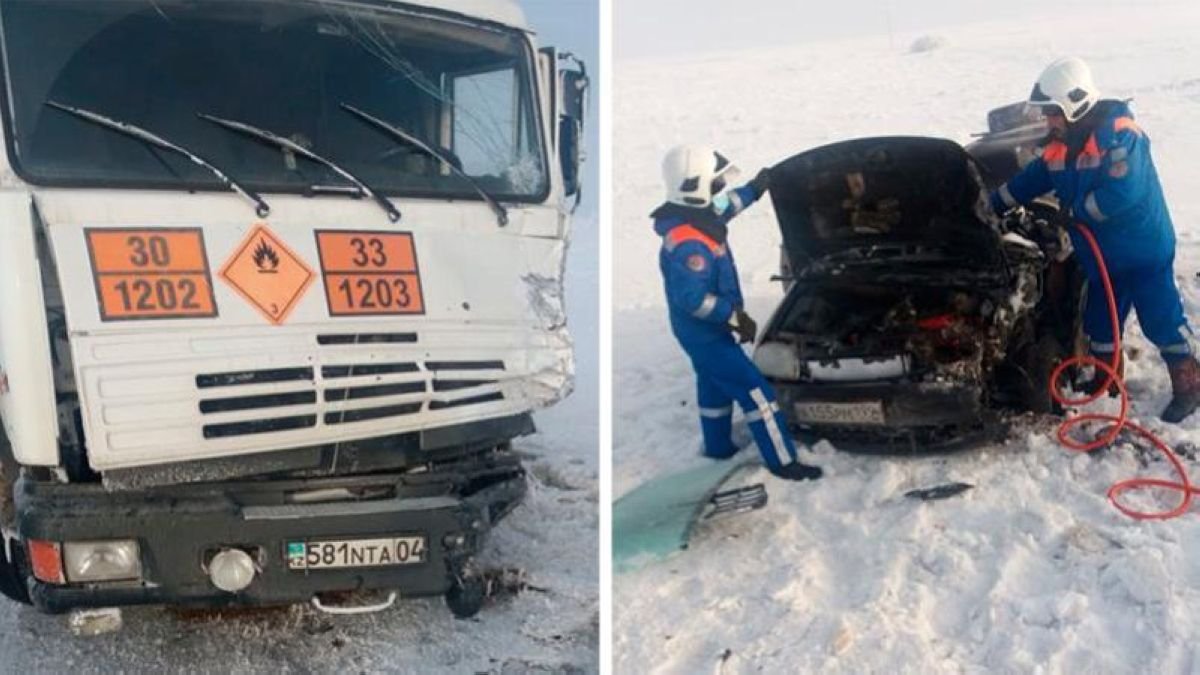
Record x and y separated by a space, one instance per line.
336 553
814 412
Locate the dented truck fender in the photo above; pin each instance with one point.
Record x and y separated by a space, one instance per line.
27 393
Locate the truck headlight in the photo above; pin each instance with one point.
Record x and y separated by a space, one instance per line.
776 359
114 560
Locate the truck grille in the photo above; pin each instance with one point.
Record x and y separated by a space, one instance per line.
215 405
259 426
349 392
253 377
197 395
365 338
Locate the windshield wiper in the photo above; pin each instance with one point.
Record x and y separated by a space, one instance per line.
150 138
288 144
402 135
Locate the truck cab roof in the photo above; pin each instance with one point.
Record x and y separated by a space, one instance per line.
505 12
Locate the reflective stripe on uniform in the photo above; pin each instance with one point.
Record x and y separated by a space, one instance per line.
736 200
1123 123
1180 348
1055 156
1102 347
1007 198
756 415
685 232
768 418
716 413
1090 157
1093 209
706 306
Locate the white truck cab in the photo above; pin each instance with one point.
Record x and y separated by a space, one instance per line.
280 280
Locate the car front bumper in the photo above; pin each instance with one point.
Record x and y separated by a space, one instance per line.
916 416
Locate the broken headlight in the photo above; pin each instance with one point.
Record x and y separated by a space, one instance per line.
779 360
860 370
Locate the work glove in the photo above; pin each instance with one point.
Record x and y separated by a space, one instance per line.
1053 235
744 326
761 182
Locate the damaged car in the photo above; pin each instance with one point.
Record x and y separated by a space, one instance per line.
914 318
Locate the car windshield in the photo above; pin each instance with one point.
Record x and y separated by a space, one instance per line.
287 66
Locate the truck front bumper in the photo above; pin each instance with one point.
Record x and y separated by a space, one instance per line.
179 531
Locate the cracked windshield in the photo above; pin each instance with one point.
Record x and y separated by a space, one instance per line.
83 103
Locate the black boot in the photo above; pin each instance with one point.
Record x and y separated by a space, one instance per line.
1091 386
798 471
1185 390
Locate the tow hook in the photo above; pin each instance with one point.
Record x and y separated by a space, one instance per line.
355 609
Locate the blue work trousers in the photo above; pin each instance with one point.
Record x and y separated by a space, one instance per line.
1152 292
725 374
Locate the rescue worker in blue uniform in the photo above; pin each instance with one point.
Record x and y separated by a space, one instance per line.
705 306
1097 161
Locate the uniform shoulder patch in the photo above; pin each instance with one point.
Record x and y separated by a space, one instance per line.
696 262
1123 123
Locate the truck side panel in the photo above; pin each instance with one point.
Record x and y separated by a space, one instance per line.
27 402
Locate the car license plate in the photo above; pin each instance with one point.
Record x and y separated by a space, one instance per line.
814 412
336 553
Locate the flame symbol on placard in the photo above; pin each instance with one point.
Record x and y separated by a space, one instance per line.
265 257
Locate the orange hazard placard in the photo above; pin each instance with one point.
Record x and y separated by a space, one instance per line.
370 273
151 273
265 272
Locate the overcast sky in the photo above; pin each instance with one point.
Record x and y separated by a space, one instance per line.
574 26
647 28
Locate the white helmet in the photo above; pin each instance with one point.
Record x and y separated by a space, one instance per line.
694 174
1066 84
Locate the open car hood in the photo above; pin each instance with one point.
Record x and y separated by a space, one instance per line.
913 202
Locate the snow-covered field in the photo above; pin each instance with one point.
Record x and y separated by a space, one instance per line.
1030 571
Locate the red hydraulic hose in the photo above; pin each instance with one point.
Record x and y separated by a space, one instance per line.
1120 421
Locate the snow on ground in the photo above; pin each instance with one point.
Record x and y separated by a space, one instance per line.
552 537
1030 571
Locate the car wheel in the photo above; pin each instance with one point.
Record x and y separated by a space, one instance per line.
1040 360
